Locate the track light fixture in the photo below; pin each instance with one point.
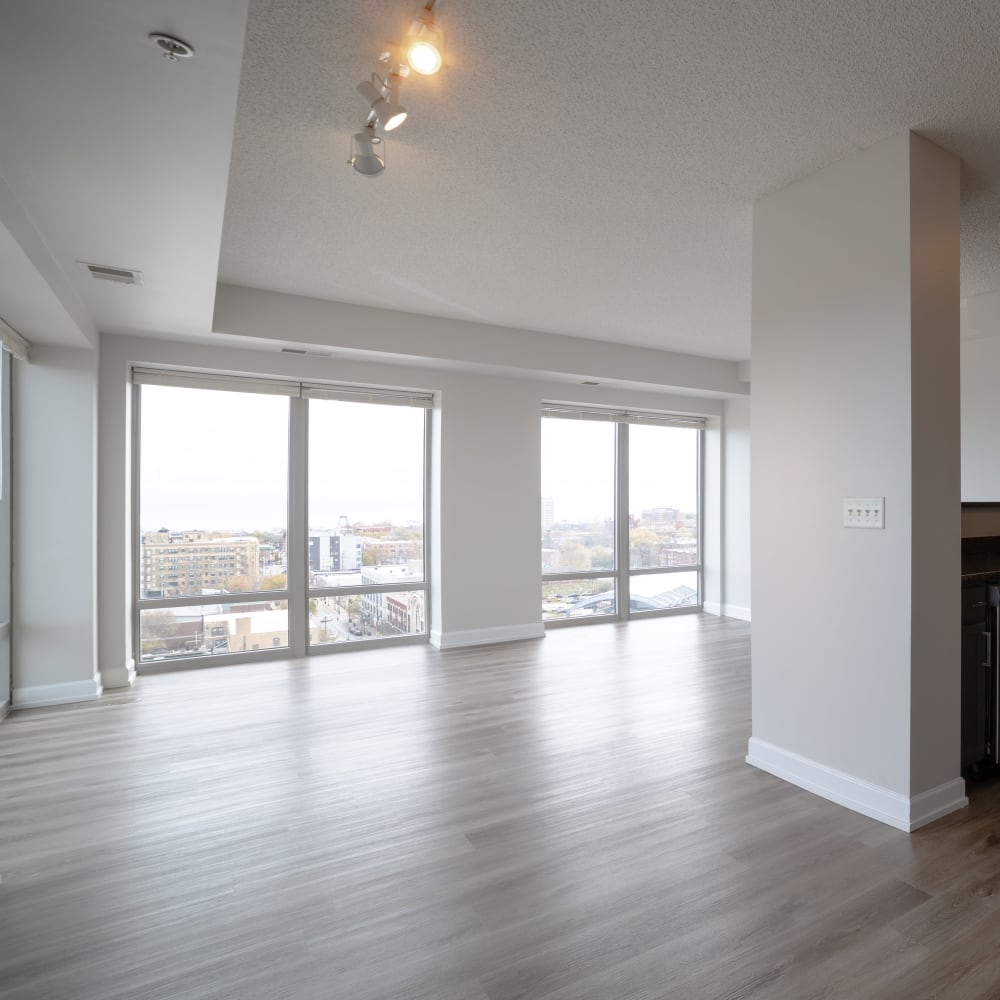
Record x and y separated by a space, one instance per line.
368 151
424 48
422 52
384 104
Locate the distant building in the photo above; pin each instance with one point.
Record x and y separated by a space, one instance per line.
241 631
548 513
550 561
392 551
405 612
334 551
393 614
661 515
182 563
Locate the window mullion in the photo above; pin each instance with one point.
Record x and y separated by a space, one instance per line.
297 542
621 522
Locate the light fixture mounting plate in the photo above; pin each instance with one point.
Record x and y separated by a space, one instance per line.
172 48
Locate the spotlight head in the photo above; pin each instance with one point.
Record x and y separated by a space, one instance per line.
391 114
424 48
365 153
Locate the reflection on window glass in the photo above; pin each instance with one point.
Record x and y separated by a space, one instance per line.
662 591
366 494
663 496
213 503
578 598
578 496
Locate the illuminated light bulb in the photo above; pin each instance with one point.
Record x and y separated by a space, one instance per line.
423 57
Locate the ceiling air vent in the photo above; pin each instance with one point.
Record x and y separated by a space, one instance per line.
302 350
123 275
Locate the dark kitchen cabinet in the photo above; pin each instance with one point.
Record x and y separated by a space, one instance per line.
979 678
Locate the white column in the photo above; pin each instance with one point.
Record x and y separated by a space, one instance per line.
54 613
856 656
115 659
736 508
486 514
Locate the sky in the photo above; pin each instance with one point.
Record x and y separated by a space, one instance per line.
578 468
219 461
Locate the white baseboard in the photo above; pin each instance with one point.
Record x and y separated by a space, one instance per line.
735 611
900 811
727 610
4 709
57 694
486 636
937 802
119 677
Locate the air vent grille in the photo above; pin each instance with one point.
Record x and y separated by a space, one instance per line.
303 351
123 275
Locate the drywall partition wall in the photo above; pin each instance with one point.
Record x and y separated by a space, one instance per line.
736 508
854 287
484 521
54 614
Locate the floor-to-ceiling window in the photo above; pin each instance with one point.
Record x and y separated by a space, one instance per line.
274 517
367 471
621 513
578 519
5 531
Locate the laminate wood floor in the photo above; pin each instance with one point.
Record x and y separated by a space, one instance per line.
568 819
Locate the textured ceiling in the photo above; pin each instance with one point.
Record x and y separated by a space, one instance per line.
589 168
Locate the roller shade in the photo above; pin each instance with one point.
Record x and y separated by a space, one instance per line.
207 380
280 387
352 394
13 342
567 412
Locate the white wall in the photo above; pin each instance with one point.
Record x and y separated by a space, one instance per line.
256 315
736 508
485 514
54 613
855 282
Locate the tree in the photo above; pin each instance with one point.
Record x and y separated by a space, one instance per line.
644 546
277 581
573 557
602 557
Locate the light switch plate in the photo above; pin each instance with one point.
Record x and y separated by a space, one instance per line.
864 512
